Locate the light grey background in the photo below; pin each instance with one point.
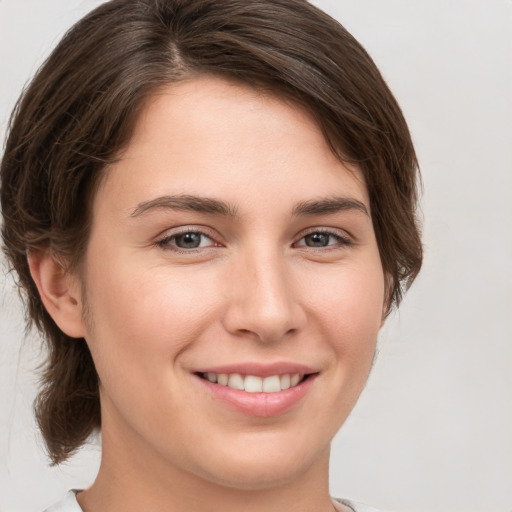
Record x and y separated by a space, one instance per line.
432 432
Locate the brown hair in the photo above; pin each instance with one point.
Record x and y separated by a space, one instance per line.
80 109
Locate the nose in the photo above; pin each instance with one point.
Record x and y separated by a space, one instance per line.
263 301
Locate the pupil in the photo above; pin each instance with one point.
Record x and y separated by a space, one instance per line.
189 240
317 240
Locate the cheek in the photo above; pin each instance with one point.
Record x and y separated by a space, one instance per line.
146 314
363 307
349 300
349 308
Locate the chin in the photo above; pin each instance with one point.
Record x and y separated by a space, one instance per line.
265 468
253 477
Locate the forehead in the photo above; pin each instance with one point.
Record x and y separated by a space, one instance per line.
208 136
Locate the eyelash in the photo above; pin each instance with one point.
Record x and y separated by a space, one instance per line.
166 242
341 240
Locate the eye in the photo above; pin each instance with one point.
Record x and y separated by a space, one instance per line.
186 240
321 239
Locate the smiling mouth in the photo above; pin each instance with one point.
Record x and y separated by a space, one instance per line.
255 384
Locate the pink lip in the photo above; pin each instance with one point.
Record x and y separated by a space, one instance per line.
258 404
259 369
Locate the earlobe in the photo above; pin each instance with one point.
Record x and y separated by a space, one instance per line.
59 292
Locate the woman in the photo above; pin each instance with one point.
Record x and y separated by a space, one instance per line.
211 210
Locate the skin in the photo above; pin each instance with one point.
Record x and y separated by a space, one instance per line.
255 290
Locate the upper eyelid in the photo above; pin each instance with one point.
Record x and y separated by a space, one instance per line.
181 230
342 233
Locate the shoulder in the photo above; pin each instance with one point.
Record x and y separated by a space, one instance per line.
352 505
66 504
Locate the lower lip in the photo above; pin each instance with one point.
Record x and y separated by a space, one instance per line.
259 404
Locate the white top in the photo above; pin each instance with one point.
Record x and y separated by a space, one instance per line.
69 504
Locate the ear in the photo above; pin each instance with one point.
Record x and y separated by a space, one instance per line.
59 291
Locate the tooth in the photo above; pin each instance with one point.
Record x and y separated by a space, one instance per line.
285 381
253 384
272 384
236 381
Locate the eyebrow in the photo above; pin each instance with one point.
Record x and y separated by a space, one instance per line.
186 203
217 207
330 205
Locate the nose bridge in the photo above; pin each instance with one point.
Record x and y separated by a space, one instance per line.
263 301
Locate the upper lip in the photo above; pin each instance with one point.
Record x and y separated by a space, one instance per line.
259 369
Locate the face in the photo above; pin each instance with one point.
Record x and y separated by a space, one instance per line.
234 288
